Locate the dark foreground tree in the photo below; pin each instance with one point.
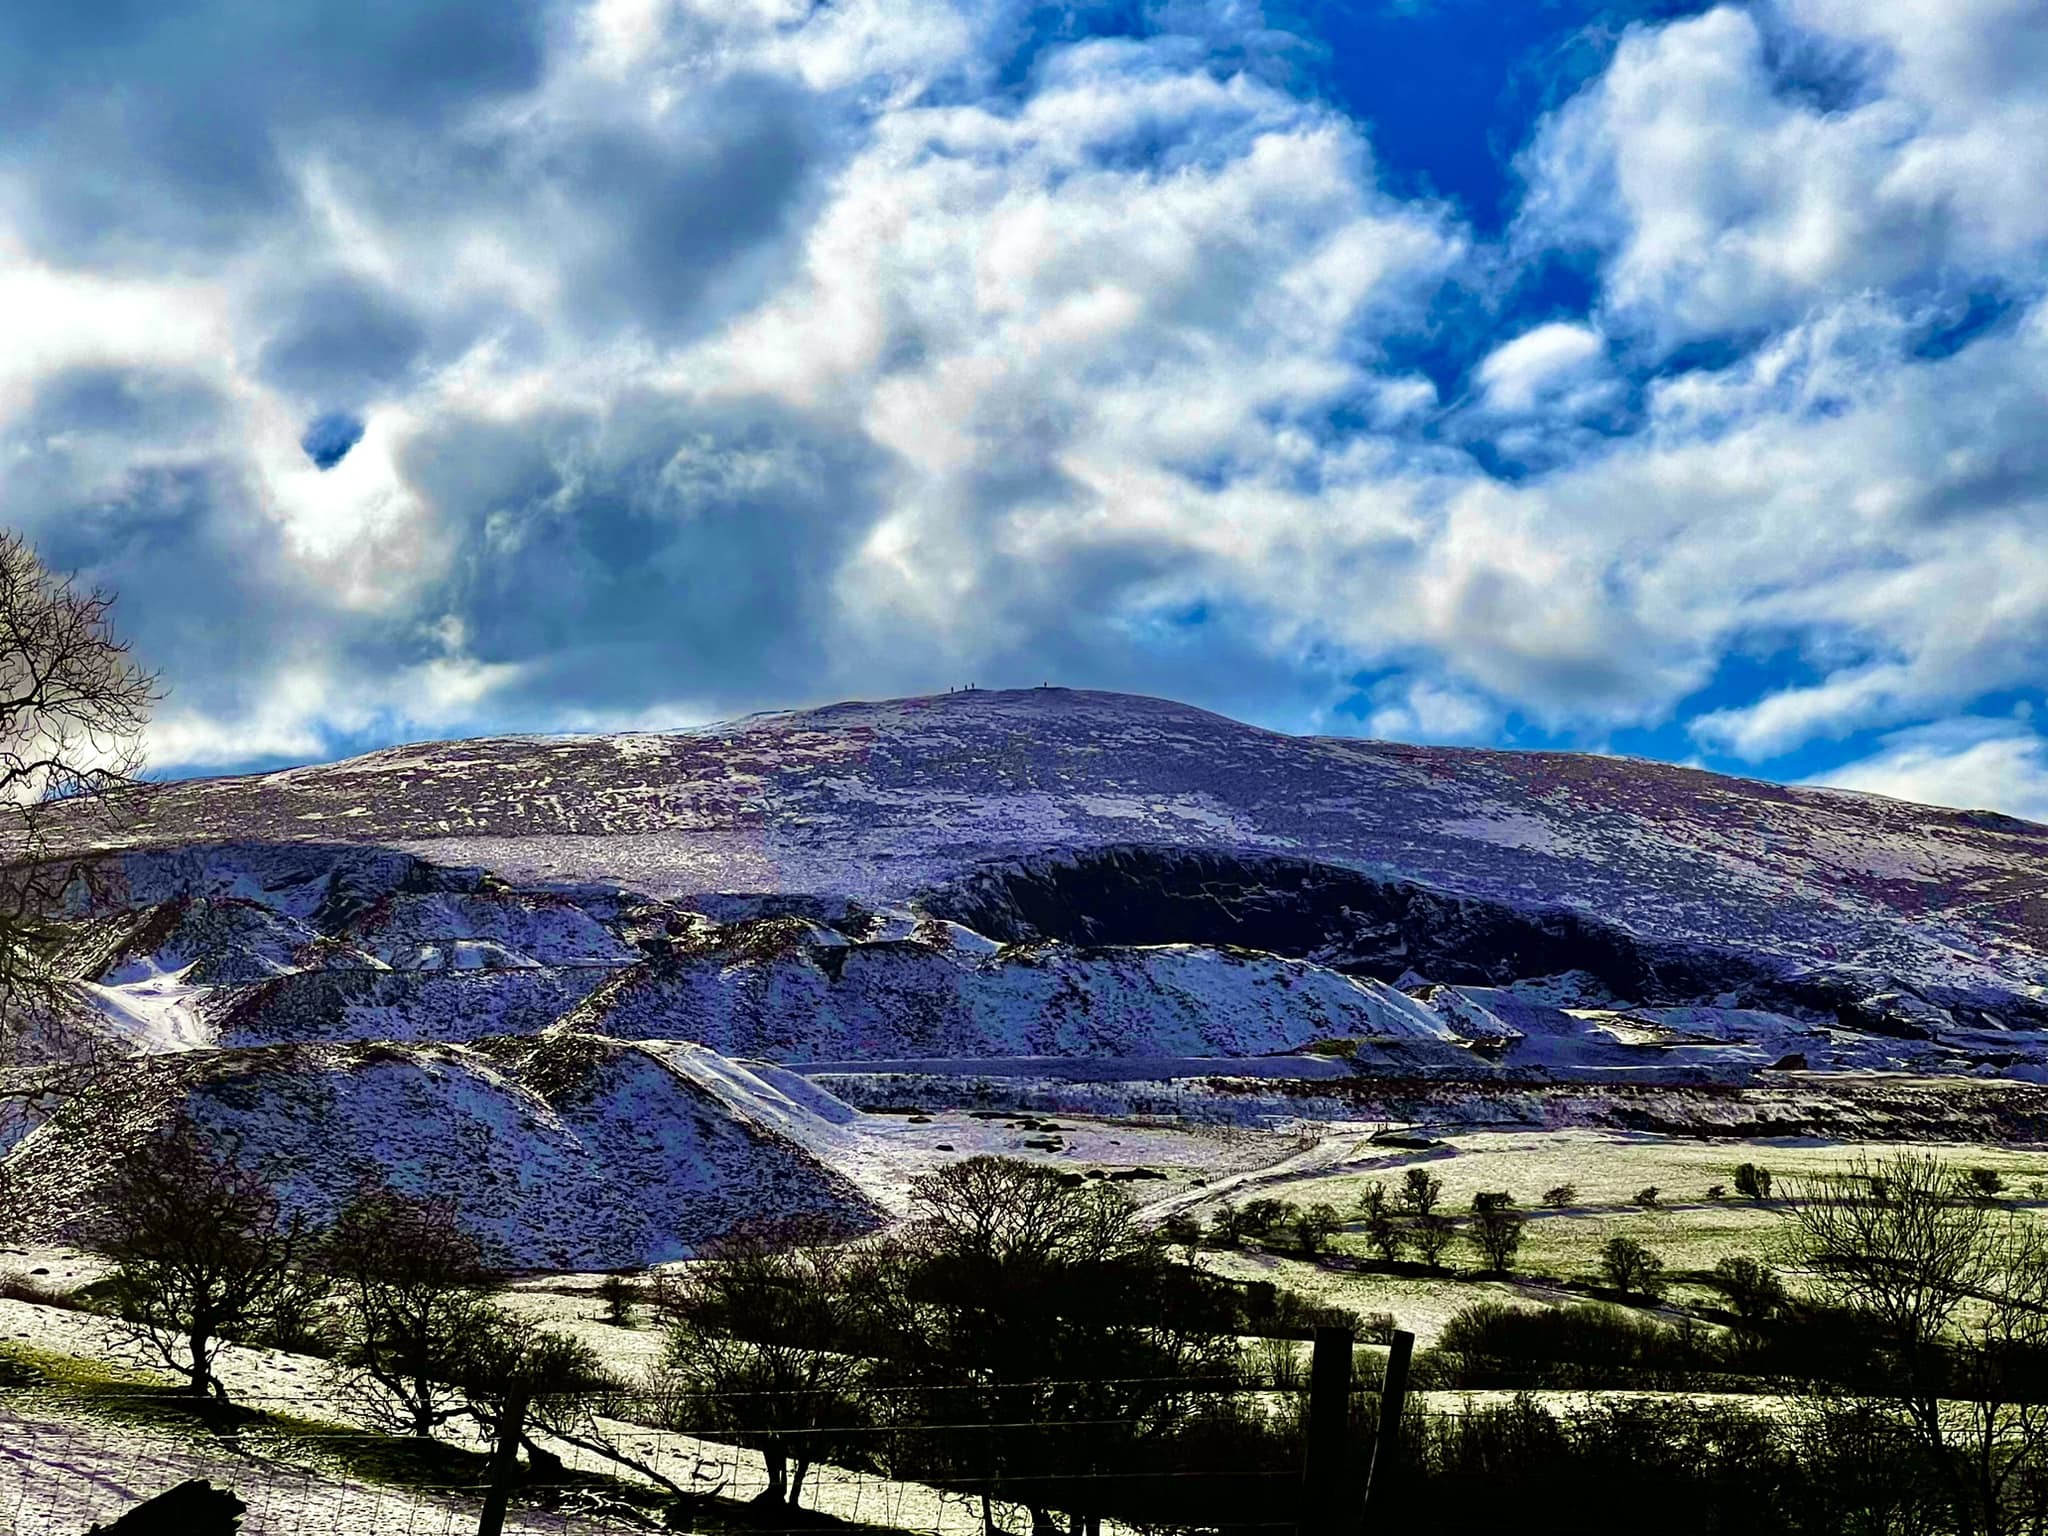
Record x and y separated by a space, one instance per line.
202 1252
72 708
1956 1293
1032 1338
519 1378
411 1284
763 1340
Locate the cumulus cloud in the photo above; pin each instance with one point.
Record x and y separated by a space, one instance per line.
629 361
1727 191
1969 764
1539 364
1422 711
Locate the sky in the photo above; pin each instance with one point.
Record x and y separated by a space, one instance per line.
1646 378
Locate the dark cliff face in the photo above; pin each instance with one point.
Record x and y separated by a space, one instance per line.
1349 921
1391 929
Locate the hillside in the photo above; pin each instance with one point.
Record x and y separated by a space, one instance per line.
1105 819
369 966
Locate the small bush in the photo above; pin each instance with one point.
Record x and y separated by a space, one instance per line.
1754 1291
1988 1182
1717 1191
1492 1200
1753 1182
619 1294
1378 1327
1560 1195
1631 1268
1498 1234
1420 1191
1648 1197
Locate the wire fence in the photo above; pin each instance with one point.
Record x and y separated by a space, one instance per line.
69 1459
65 1465
61 1476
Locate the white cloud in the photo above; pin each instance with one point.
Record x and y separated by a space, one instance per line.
1968 763
1539 364
1724 199
744 354
1422 711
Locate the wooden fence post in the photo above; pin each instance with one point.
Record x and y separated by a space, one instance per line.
1323 1505
1386 1444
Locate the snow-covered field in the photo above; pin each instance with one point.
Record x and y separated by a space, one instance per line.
60 1474
52 1462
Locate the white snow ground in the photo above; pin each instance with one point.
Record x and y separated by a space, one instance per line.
69 1468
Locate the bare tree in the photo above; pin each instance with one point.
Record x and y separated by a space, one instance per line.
1045 1316
1631 1268
1497 1231
1314 1227
759 1348
72 708
518 1378
201 1251
1906 1257
1956 1291
1420 1191
1432 1232
411 1283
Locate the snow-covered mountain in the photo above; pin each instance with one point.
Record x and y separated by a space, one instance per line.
1106 819
397 940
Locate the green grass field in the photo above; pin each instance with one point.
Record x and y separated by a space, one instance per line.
1607 1169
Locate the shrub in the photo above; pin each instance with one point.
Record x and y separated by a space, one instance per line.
1420 1191
1989 1183
1753 1181
1183 1232
618 1293
1717 1191
1498 1234
1493 1344
1631 1268
1754 1291
1226 1227
1492 1200
1560 1195
1647 1197
1378 1327
1372 1200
